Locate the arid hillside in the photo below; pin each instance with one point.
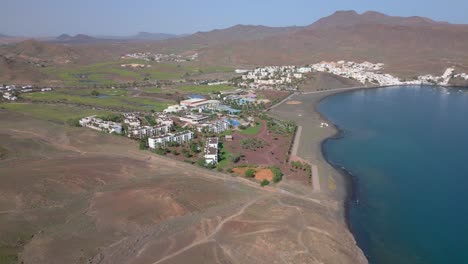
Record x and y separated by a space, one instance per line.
408 46
72 195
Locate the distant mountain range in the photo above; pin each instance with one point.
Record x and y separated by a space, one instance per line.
408 46
81 38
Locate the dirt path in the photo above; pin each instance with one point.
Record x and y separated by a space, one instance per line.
297 139
210 238
315 179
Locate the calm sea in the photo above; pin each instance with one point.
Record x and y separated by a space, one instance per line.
408 149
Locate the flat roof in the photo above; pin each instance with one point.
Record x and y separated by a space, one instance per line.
192 101
211 151
213 140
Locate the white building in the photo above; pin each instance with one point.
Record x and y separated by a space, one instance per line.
161 141
175 108
10 97
211 151
149 131
194 119
101 125
218 126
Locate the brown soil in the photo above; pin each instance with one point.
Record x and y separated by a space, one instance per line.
260 173
73 195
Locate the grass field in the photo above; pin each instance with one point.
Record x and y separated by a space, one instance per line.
111 72
115 102
225 157
204 89
196 89
54 113
253 130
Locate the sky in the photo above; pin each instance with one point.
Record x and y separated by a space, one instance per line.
127 17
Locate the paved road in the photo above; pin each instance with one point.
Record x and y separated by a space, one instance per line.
297 140
315 178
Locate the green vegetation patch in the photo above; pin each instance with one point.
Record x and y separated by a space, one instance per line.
56 113
112 72
253 143
281 127
204 89
252 130
115 102
277 174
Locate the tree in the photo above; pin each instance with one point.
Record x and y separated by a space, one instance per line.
250 173
277 174
143 145
194 148
75 122
265 182
160 151
201 162
236 158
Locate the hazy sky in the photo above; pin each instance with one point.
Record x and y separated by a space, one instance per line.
126 17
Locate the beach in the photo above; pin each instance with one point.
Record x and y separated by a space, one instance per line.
334 184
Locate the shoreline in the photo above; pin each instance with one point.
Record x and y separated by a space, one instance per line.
350 181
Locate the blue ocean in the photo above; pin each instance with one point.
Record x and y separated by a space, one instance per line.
407 150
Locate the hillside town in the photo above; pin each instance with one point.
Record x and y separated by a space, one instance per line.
273 77
289 77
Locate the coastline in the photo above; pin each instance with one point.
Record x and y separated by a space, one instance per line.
350 183
347 191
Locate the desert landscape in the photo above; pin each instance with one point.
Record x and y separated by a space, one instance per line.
75 201
205 147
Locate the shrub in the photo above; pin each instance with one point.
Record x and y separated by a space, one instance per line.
230 170
143 145
74 122
201 162
250 173
112 117
194 148
95 93
265 182
160 151
253 143
277 174
236 158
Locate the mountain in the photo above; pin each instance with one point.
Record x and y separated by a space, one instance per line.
227 35
4 36
77 39
153 36
352 18
407 45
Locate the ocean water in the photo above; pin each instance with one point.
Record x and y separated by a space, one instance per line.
407 148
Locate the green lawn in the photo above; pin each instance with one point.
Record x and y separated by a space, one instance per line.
117 102
204 89
224 157
111 72
253 130
55 113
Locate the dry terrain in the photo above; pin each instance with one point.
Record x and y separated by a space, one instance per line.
72 195
409 46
